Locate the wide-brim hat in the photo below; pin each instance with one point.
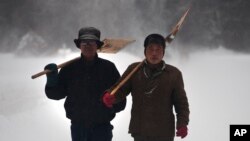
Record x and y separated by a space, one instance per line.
89 33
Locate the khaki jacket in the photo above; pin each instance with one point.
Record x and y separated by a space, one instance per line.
154 97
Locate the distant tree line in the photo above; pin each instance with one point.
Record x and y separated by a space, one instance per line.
210 23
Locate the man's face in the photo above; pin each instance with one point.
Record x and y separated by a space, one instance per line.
88 49
154 53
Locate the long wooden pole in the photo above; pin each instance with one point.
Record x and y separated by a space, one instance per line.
126 78
58 67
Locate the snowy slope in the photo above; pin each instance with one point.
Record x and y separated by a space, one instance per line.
216 81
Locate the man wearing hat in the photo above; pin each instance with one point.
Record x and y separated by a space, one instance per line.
83 83
156 89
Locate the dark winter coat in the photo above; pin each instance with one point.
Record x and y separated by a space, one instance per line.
83 86
154 94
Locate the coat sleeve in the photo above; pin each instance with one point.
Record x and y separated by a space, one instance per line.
59 91
180 101
121 104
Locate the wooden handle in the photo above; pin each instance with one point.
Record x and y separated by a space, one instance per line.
114 46
126 78
58 67
40 74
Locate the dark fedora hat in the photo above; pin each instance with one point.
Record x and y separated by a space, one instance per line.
89 33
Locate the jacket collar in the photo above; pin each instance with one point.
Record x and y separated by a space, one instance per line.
152 71
161 66
89 63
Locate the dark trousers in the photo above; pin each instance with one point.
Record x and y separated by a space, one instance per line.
146 138
101 132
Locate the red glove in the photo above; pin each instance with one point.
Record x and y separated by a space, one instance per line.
182 131
108 100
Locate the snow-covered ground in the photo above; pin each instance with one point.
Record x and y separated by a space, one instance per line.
216 81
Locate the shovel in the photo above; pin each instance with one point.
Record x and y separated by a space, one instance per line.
168 40
109 46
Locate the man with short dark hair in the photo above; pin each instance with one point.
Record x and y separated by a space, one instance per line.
83 83
156 88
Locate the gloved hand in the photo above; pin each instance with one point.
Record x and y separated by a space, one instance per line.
108 99
52 77
182 131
